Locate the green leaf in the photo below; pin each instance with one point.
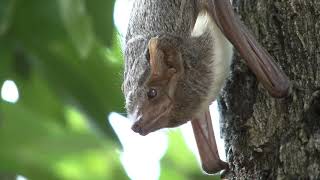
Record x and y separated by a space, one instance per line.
101 13
179 163
78 25
34 91
5 60
92 85
38 147
6 12
43 136
37 96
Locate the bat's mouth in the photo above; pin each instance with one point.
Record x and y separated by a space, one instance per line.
146 125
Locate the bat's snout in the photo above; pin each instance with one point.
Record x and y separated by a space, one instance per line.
137 128
146 126
150 121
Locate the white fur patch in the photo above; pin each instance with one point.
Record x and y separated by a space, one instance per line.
222 55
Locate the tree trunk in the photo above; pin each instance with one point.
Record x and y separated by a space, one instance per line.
268 138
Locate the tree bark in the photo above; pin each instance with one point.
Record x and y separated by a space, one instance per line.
268 138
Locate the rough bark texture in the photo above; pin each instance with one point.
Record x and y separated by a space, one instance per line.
269 138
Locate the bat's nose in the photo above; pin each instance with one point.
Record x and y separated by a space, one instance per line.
136 127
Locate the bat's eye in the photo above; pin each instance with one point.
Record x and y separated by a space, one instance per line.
148 55
152 93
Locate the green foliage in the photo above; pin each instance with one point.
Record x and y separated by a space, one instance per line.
179 163
64 57
55 41
61 61
40 148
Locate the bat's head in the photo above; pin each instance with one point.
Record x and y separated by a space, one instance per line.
151 85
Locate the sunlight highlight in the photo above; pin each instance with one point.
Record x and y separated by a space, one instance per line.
140 155
122 9
9 91
19 177
215 116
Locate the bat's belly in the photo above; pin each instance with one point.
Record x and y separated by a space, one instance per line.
222 54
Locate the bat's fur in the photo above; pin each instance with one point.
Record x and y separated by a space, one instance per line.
206 55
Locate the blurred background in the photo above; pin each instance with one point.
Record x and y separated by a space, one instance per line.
61 109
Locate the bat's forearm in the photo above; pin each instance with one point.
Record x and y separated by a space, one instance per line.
256 57
208 151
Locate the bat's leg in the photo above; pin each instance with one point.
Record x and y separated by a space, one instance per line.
204 135
256 57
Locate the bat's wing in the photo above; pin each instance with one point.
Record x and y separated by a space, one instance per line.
204 135
256 57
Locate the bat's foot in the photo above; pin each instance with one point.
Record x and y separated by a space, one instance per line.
215 167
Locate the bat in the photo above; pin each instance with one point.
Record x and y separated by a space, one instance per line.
171 75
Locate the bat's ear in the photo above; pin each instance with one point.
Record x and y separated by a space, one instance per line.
165 61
